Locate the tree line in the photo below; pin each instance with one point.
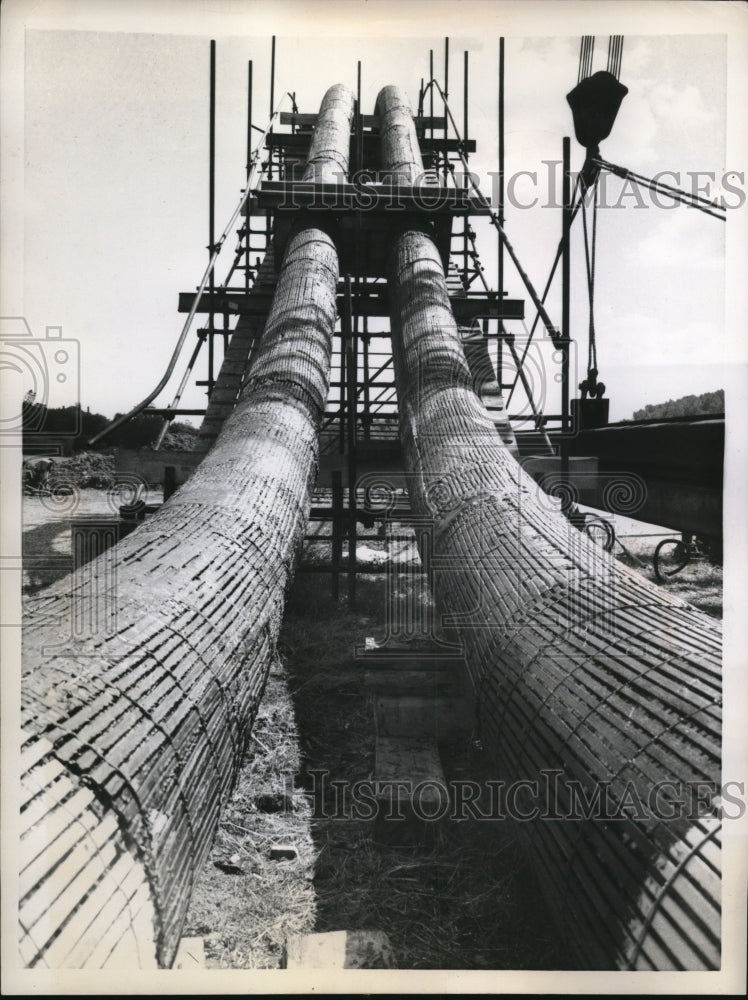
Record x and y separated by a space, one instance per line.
685 406
74 427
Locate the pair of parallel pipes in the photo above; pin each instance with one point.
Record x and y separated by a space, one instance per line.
580 669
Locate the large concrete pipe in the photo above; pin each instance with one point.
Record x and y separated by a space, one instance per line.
597 693
135 723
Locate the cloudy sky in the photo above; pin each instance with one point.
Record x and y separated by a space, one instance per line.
114 147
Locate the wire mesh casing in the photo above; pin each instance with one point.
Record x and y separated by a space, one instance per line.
587 678
143 671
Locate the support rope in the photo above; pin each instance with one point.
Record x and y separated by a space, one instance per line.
707 205
590 246
586 53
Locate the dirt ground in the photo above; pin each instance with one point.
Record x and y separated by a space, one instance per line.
467 900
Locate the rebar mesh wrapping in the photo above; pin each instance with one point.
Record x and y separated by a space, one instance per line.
143 671
578 665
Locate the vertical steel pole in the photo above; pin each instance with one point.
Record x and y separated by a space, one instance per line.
357 253
359 122
249 117
446 98
270 132
272 75
360 142
355 163
341 390
337 530
500 242
465 100
431 91
446 68
211 209
565 283
248 217
466 182
367 388
351 371
272 102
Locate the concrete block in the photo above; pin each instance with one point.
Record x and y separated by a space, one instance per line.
407 759
427 715
409 680
283 852
340 950
412 793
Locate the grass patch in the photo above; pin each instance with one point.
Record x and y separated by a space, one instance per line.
245 904
699 583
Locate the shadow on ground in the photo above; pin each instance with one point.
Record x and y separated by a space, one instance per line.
469 900
42 565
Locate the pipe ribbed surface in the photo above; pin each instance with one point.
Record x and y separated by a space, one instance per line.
578 665
136 717
327 162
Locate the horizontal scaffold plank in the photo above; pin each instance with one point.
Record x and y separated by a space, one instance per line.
369 196
368 121
465 307
299 142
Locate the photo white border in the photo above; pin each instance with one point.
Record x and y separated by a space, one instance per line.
456 18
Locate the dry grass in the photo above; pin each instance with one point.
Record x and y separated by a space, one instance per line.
699 583
245 904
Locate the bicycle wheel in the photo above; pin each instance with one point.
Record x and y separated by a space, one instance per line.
670 557
601 532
